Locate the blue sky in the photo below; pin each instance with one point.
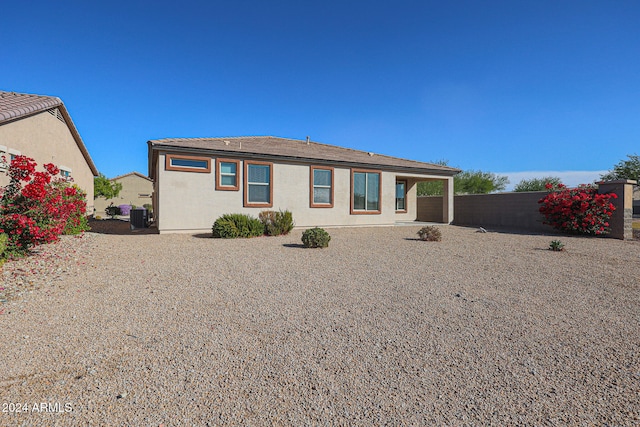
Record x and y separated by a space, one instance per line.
498 86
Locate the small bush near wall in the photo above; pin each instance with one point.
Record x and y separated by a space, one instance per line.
430 234
276 223
315 238
112 211
231 226
578 210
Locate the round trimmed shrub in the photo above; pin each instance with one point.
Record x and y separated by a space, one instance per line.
430 234
315 238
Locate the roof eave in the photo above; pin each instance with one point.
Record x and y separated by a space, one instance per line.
78 139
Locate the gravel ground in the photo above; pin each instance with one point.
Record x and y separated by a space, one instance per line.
491 328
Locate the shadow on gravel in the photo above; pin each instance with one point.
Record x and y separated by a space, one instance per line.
294 245
203 236
117 227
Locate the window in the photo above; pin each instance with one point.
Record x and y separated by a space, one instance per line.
176 162
12 154
65 174
258 191
321 187
401 196
365 192
4 159
227 174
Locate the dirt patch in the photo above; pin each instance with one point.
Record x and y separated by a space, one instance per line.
118 226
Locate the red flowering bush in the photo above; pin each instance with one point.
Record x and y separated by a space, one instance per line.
37 207
577 210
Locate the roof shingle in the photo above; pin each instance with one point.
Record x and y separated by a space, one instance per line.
14 106
293 149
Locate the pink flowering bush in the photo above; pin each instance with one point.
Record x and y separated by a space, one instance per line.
577 210
36 207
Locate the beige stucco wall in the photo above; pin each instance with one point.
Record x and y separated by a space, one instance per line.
46 139
188 201
133 187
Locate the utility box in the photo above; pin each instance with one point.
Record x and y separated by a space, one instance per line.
138 218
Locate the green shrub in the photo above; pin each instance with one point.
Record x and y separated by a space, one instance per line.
556 245
76 225
231 226
112 211
148 207
276 223
430 234
4 239
315 238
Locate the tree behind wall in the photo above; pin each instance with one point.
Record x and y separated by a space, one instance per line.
105 188
625 169
537 184
467 182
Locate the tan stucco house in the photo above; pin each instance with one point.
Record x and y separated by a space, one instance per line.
136 190
196 180
40 127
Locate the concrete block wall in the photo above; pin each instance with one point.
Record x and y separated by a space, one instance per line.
430 208
521 210
505 210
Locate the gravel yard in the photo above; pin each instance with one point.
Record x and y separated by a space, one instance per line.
378 329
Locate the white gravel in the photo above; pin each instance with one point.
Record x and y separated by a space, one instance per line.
377 329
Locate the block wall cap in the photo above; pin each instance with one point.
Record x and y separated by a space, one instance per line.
619 181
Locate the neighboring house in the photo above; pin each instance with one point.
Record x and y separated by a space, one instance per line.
40 127
196 180
136 190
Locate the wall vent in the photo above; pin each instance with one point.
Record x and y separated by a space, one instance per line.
55 112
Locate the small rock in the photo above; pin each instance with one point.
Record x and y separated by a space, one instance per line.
122 395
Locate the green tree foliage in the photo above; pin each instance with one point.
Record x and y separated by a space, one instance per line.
478 182
537 184
105 188
467 182
430 188
625 169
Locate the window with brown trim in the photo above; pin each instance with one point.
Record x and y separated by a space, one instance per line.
321 187
178 162
227 175
401 196
366 191
258 184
